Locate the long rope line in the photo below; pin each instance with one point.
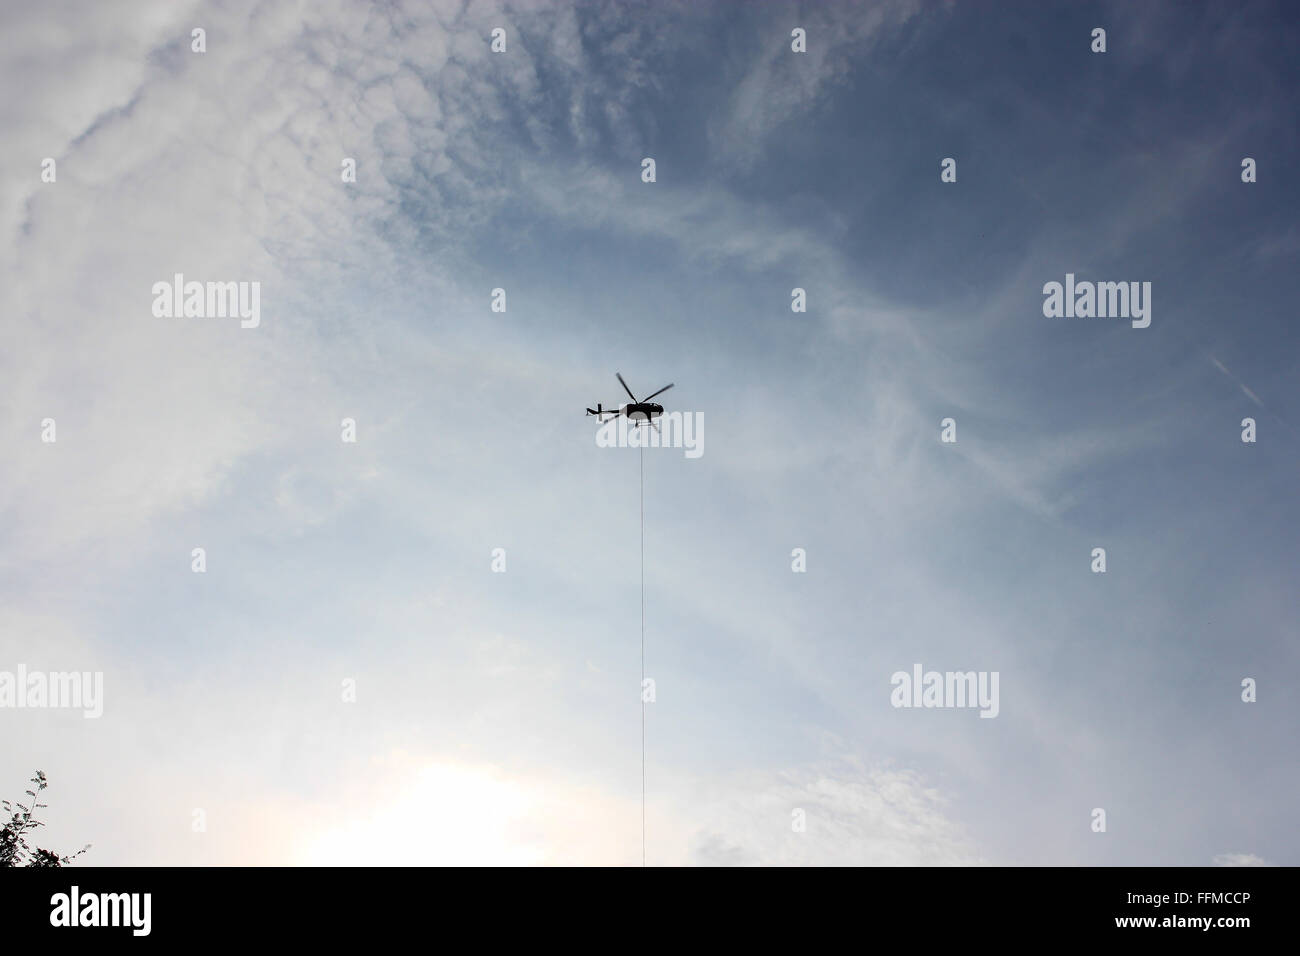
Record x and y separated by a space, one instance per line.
642 470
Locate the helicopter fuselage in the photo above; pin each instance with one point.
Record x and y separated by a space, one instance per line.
643 411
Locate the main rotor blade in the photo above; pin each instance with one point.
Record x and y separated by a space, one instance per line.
660 392
625 388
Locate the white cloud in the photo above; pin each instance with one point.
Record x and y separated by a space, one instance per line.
854 815
1240 859
778 83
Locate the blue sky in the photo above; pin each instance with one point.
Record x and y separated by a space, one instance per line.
497 717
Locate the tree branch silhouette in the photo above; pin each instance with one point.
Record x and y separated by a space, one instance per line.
14 848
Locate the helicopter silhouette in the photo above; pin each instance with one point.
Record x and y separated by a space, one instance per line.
639 410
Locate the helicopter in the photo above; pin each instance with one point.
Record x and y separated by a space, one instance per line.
639 410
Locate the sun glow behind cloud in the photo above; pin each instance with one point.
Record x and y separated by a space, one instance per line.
447 815
436 811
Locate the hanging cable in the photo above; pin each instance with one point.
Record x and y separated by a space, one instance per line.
642 470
